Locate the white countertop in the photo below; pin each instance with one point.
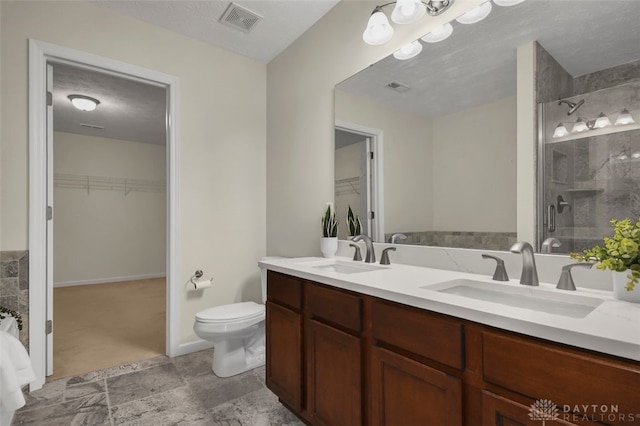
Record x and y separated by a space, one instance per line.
612 328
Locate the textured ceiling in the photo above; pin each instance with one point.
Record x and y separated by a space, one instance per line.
477 64
128 110
283 21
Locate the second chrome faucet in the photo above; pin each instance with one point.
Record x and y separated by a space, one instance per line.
529 272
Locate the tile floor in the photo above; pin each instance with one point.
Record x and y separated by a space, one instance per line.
160 391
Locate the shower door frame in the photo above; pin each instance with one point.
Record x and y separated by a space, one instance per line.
540 210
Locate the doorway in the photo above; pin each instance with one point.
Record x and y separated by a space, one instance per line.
108 202
41 179
358 177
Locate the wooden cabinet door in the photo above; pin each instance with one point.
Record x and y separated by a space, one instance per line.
405 392
334 376
284 354
500 411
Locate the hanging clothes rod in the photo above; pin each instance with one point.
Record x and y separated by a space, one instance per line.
107 183
348 186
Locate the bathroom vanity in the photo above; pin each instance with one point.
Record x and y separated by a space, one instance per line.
386 347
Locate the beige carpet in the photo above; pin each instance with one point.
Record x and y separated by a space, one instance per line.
103 325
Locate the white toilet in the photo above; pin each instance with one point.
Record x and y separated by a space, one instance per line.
237 334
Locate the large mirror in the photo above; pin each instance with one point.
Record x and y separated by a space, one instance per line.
444 122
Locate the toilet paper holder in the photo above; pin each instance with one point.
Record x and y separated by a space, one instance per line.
195 277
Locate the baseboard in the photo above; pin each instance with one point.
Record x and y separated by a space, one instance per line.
109 280
195 346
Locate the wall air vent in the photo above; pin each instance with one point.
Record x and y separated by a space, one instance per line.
240 18
398 87
92 126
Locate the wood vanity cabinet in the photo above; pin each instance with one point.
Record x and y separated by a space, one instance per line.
341 358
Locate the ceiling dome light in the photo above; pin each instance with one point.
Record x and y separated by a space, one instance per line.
507 2
408 11
624 118
84 103
476 14
408 51
580 126
379 30
439 34
602 121
560 131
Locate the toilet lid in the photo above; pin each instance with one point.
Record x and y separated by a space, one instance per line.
234 311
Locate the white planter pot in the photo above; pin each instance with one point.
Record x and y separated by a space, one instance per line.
619 288
329 246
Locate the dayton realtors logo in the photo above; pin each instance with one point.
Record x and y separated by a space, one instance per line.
544 409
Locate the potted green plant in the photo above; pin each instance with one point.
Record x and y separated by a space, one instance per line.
620 254
329 240
353 223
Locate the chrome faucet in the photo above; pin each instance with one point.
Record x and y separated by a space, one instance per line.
529 272
549 244
396 237
370 257
566 280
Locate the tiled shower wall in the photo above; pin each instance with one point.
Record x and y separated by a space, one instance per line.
469 240
14 287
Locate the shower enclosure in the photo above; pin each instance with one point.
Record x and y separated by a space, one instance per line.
589 165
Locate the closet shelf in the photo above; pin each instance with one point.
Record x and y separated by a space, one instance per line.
107 183
348 186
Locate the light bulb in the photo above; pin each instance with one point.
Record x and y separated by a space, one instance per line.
408 51
579 126
476 14
602 121
624 118
560 131
507 2
408 11
439 34
378 30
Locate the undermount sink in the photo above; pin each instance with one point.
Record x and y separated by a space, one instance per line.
533 298
342 267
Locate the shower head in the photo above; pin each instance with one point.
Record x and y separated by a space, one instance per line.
573 106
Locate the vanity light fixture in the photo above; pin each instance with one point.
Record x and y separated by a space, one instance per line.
624 118
602 121
408 51
507 2
379 30
476 14
580 126
560 131
439 34
83 103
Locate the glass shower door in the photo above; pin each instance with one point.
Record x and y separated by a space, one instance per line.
589 176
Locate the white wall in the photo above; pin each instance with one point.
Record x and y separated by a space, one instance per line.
300 116
222 194
474 169
107 234
407 162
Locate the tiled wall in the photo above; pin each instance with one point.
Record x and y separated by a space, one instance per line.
14 287
469 240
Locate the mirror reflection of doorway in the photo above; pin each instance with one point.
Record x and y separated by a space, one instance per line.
353 179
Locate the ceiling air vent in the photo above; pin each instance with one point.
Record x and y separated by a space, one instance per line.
92 126
240 18
398 87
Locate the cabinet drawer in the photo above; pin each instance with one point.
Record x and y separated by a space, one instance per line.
284 289
335 306
563 375
423 333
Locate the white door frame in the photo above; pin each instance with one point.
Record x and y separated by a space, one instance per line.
39 54
377 190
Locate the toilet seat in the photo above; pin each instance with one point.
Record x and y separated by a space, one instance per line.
243 312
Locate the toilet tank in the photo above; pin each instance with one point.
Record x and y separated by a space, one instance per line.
263 277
